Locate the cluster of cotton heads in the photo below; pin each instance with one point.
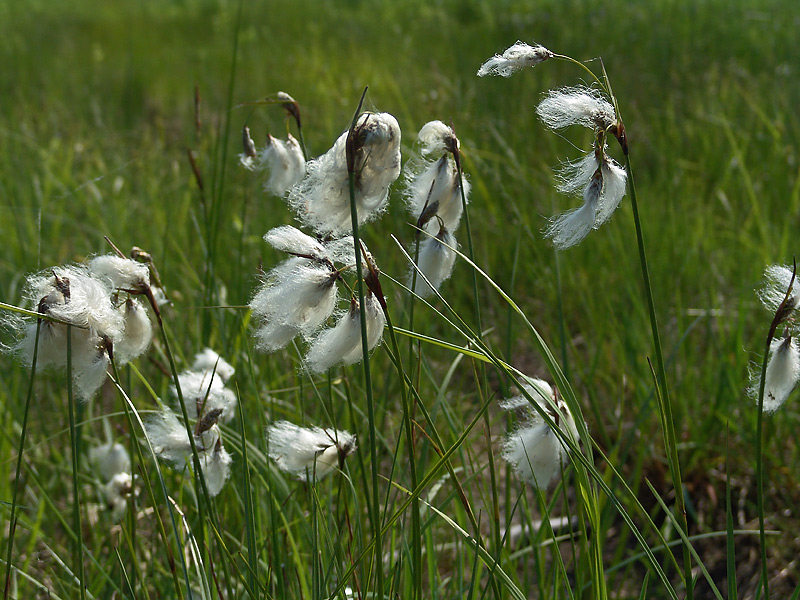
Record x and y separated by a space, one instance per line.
100 302
308 453
783 366
534 450
433 196
113 466
208 402
300 295
596 178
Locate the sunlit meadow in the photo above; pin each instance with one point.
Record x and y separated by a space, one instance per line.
572 352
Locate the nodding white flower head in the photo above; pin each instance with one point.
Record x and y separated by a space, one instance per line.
515 58
571 227
322 199
297 297
773 293
74 295
578 105
434 189
342 343
285 163
124 273
249 158
602 183
436 260
437 138
308 452
293 241
138 331
171 442
116 493
109 460
203 392
534 450
783 373
208 362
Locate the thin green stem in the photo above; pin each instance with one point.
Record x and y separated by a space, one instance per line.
12 522
373 442
667 420
76 506
762 536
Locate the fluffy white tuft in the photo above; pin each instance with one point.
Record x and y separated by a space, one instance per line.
436 260
308 452
209 362
576 106
124 273
110 459
783 373
285 163
515 58
571 227
322 198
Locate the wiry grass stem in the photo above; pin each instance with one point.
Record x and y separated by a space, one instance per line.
76 505
373 442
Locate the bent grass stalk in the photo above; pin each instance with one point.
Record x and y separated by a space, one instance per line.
76 506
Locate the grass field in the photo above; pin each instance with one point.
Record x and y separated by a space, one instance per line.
101 104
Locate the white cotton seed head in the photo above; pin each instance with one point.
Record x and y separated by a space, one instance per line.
535 454
515 58
116 493
209 362
285 163
573 176
109 460
216 466
138 331
576 106
203 392
534 450
614 180
571 227
436 260
293 241
783 373
436 183
168 436
437 138
376 320
306 452
342 343
778 279
296 298
123 273
322 199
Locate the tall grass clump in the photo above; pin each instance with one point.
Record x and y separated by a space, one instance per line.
294 306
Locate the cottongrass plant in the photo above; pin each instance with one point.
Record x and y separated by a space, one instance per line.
113 465
534 450
283 160
308 453
433 194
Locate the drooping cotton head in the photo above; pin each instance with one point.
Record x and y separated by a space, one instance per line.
571 227
204 391
534 450
285 163
433 190
308 452
778 278
138 331
123 273
109 459
117 491
576 106
783 373
342 343
208 362
436 259
515 58
437 138
322 199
